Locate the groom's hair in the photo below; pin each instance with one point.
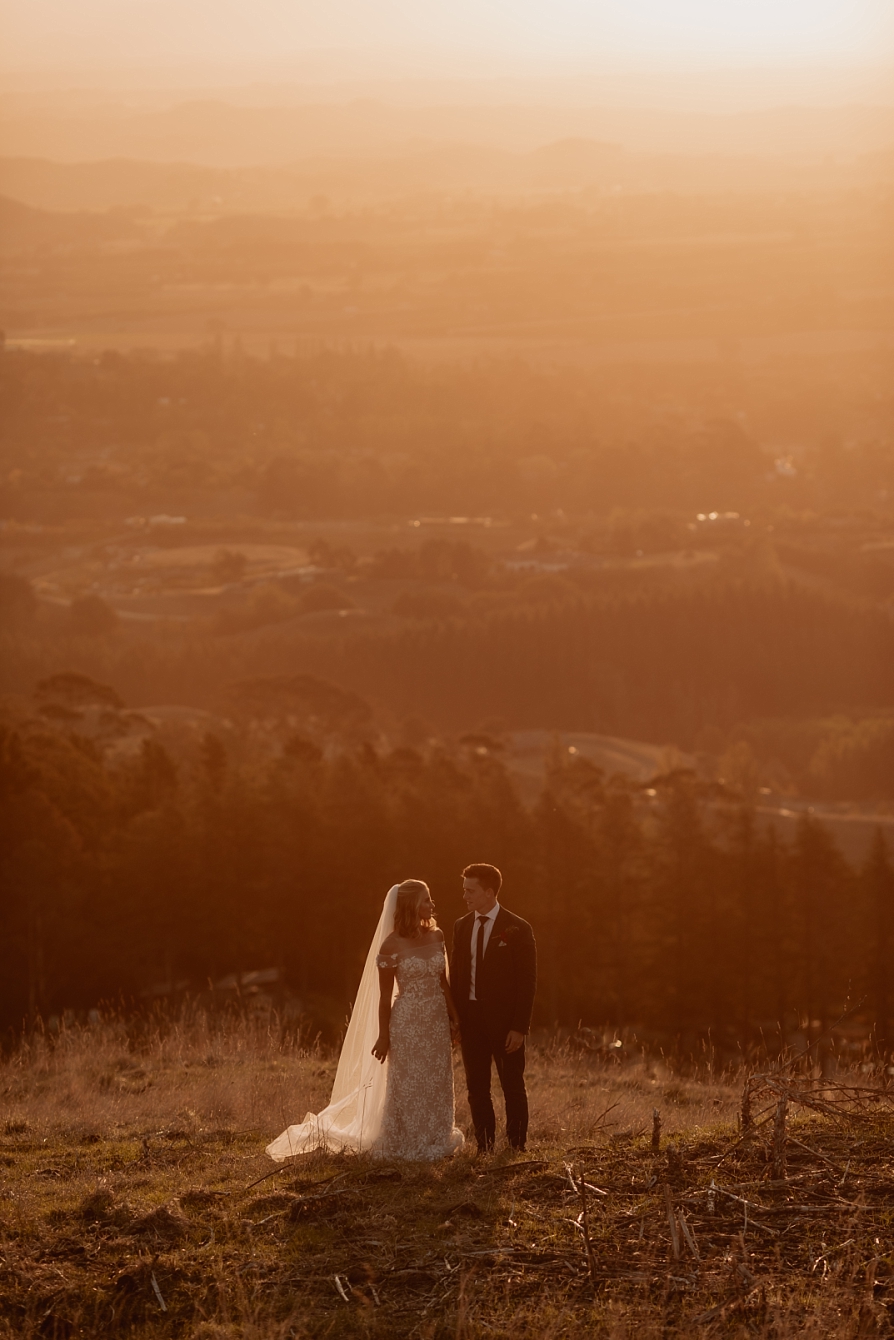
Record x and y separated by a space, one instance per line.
488 876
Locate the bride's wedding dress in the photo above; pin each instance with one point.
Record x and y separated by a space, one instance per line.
403 1109
418 1120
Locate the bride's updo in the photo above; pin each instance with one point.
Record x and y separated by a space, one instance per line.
407 918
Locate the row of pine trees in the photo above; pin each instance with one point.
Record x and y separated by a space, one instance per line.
673 910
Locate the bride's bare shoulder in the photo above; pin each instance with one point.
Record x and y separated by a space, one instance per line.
390 944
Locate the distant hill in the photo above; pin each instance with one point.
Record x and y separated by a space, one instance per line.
569 164
109 183
24 226
217 133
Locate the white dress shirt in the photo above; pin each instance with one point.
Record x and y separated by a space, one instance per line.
481 928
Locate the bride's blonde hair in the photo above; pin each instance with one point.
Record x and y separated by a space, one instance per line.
407 920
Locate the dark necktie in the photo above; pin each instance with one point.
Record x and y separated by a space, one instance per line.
479 955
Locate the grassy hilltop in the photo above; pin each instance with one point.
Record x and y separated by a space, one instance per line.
131 1203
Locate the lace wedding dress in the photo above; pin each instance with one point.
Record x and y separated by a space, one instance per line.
404 1108
418 1120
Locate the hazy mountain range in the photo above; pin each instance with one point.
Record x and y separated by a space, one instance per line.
218 133
565 165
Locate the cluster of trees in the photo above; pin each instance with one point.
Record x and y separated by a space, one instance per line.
358 434
666 907
803 679
663 663
839 757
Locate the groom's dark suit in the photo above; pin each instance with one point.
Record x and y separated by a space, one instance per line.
504 991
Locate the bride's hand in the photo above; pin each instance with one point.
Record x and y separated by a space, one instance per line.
454 1032
380 1047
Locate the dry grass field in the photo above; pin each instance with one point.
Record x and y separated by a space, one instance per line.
131 1202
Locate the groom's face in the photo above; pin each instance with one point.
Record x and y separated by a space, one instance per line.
476 897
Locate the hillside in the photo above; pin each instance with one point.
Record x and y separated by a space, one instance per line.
137 1200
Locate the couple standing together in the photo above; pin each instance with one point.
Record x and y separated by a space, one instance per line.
393 1092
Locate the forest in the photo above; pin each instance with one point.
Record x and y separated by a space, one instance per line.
666 905
350 433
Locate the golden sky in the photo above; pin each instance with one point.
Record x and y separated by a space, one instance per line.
523 32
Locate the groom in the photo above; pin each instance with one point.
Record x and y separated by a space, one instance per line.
493 976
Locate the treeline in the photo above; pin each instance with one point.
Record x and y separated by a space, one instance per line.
805 679
656 664
667 908
356 434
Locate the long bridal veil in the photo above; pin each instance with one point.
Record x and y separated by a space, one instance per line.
353 1119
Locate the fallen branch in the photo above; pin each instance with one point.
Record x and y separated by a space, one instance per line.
672 1222
816 1154
157 1291
688 1235
528 1165
259 1180
584 1223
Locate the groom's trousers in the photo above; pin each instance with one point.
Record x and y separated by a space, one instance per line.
482 1045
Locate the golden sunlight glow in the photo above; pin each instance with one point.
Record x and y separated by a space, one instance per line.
532 31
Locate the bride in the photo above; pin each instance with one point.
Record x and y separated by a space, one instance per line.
393 1091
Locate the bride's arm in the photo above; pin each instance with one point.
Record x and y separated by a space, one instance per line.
386 994
448 996
451 1004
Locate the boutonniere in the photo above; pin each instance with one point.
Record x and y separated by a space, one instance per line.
506 936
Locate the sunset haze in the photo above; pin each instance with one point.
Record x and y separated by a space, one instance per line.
446 462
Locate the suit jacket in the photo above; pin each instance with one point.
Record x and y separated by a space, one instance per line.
508 977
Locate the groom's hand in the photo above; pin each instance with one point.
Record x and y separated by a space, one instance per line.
514 1040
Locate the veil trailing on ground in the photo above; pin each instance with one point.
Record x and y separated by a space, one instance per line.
353 1119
